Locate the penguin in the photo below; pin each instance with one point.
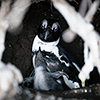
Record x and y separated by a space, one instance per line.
50 73
56 65
47 39
45 77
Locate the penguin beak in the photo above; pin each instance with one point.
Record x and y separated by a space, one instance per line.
46 35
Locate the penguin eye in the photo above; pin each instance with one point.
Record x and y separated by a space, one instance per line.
55 27
44 24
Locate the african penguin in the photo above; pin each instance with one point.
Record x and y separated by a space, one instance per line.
56 63
50 73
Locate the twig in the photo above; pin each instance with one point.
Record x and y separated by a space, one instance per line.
76 2
83 7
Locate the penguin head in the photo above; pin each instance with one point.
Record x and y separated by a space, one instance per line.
49 30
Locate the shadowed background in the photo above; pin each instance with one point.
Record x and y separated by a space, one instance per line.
18 47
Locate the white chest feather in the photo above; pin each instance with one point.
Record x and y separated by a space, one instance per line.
46 46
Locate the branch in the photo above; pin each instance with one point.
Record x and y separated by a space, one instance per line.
5 6
84 29
16 15
10 76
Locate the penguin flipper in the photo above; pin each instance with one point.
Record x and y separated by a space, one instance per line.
58 74
68 60
70 83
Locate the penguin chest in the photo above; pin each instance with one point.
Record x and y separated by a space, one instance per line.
40 79
45 46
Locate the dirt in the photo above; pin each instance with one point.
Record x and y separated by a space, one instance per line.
18 46
87 93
